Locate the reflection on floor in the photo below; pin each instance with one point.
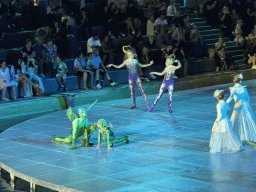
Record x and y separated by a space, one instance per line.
167 152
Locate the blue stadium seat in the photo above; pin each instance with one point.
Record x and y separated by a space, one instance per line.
70 65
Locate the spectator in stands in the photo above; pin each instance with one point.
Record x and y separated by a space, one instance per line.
28 50
7 80
99 68
23 78
108 50
144 71
179 35
132 13
43 33
61 74
177 50
39 49
171 11
84 24
253 32
32 71
161 22
250 45
235 17
249 17
226 22
73 43
185 22
177 18
59 36
82 71
162 9
211 10
151 29
198 48
50 58
220 49
238 33
93 42
162 39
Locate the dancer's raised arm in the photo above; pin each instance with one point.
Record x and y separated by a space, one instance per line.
146 65
117 66
157 73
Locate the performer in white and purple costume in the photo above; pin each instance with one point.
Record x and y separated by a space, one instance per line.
168 82
133 75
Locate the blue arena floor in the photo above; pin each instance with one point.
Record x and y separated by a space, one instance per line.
167 152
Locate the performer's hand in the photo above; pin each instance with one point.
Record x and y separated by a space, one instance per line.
98 146
110 65
151 62
151 73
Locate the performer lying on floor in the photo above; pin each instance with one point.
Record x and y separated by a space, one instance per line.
107 135
79 127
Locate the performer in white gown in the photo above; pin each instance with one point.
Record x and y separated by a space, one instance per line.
242 119
223 138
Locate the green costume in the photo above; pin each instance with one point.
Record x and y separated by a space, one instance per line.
79 127
107 135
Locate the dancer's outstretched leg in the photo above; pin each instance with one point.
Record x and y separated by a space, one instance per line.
170 92
161 91
139 84
131 86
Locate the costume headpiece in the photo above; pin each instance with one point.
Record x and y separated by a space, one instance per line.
240 76
83 111
170 57
125 51
103 123
217 92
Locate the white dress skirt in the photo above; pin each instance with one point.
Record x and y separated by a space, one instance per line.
243 121
223 139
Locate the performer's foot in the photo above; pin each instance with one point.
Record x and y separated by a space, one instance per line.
147 107
126 139
133 107
53 137
151 109
170 111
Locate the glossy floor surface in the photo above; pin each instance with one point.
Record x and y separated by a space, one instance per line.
167 152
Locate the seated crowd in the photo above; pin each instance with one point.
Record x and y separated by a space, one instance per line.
64 28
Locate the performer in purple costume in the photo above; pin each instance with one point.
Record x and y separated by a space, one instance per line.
133 75
168 82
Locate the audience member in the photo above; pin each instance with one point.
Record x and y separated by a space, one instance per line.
151 29
93 42
171 10
39 50
226 22
198 47
238 33
220 49
28 50
7 80
82 71
108 50
161 22
43 33
61 74
98 67
32 71
50 58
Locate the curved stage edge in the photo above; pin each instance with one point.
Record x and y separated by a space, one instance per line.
166 151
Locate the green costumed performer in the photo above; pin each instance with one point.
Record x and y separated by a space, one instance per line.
107 135
79 127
